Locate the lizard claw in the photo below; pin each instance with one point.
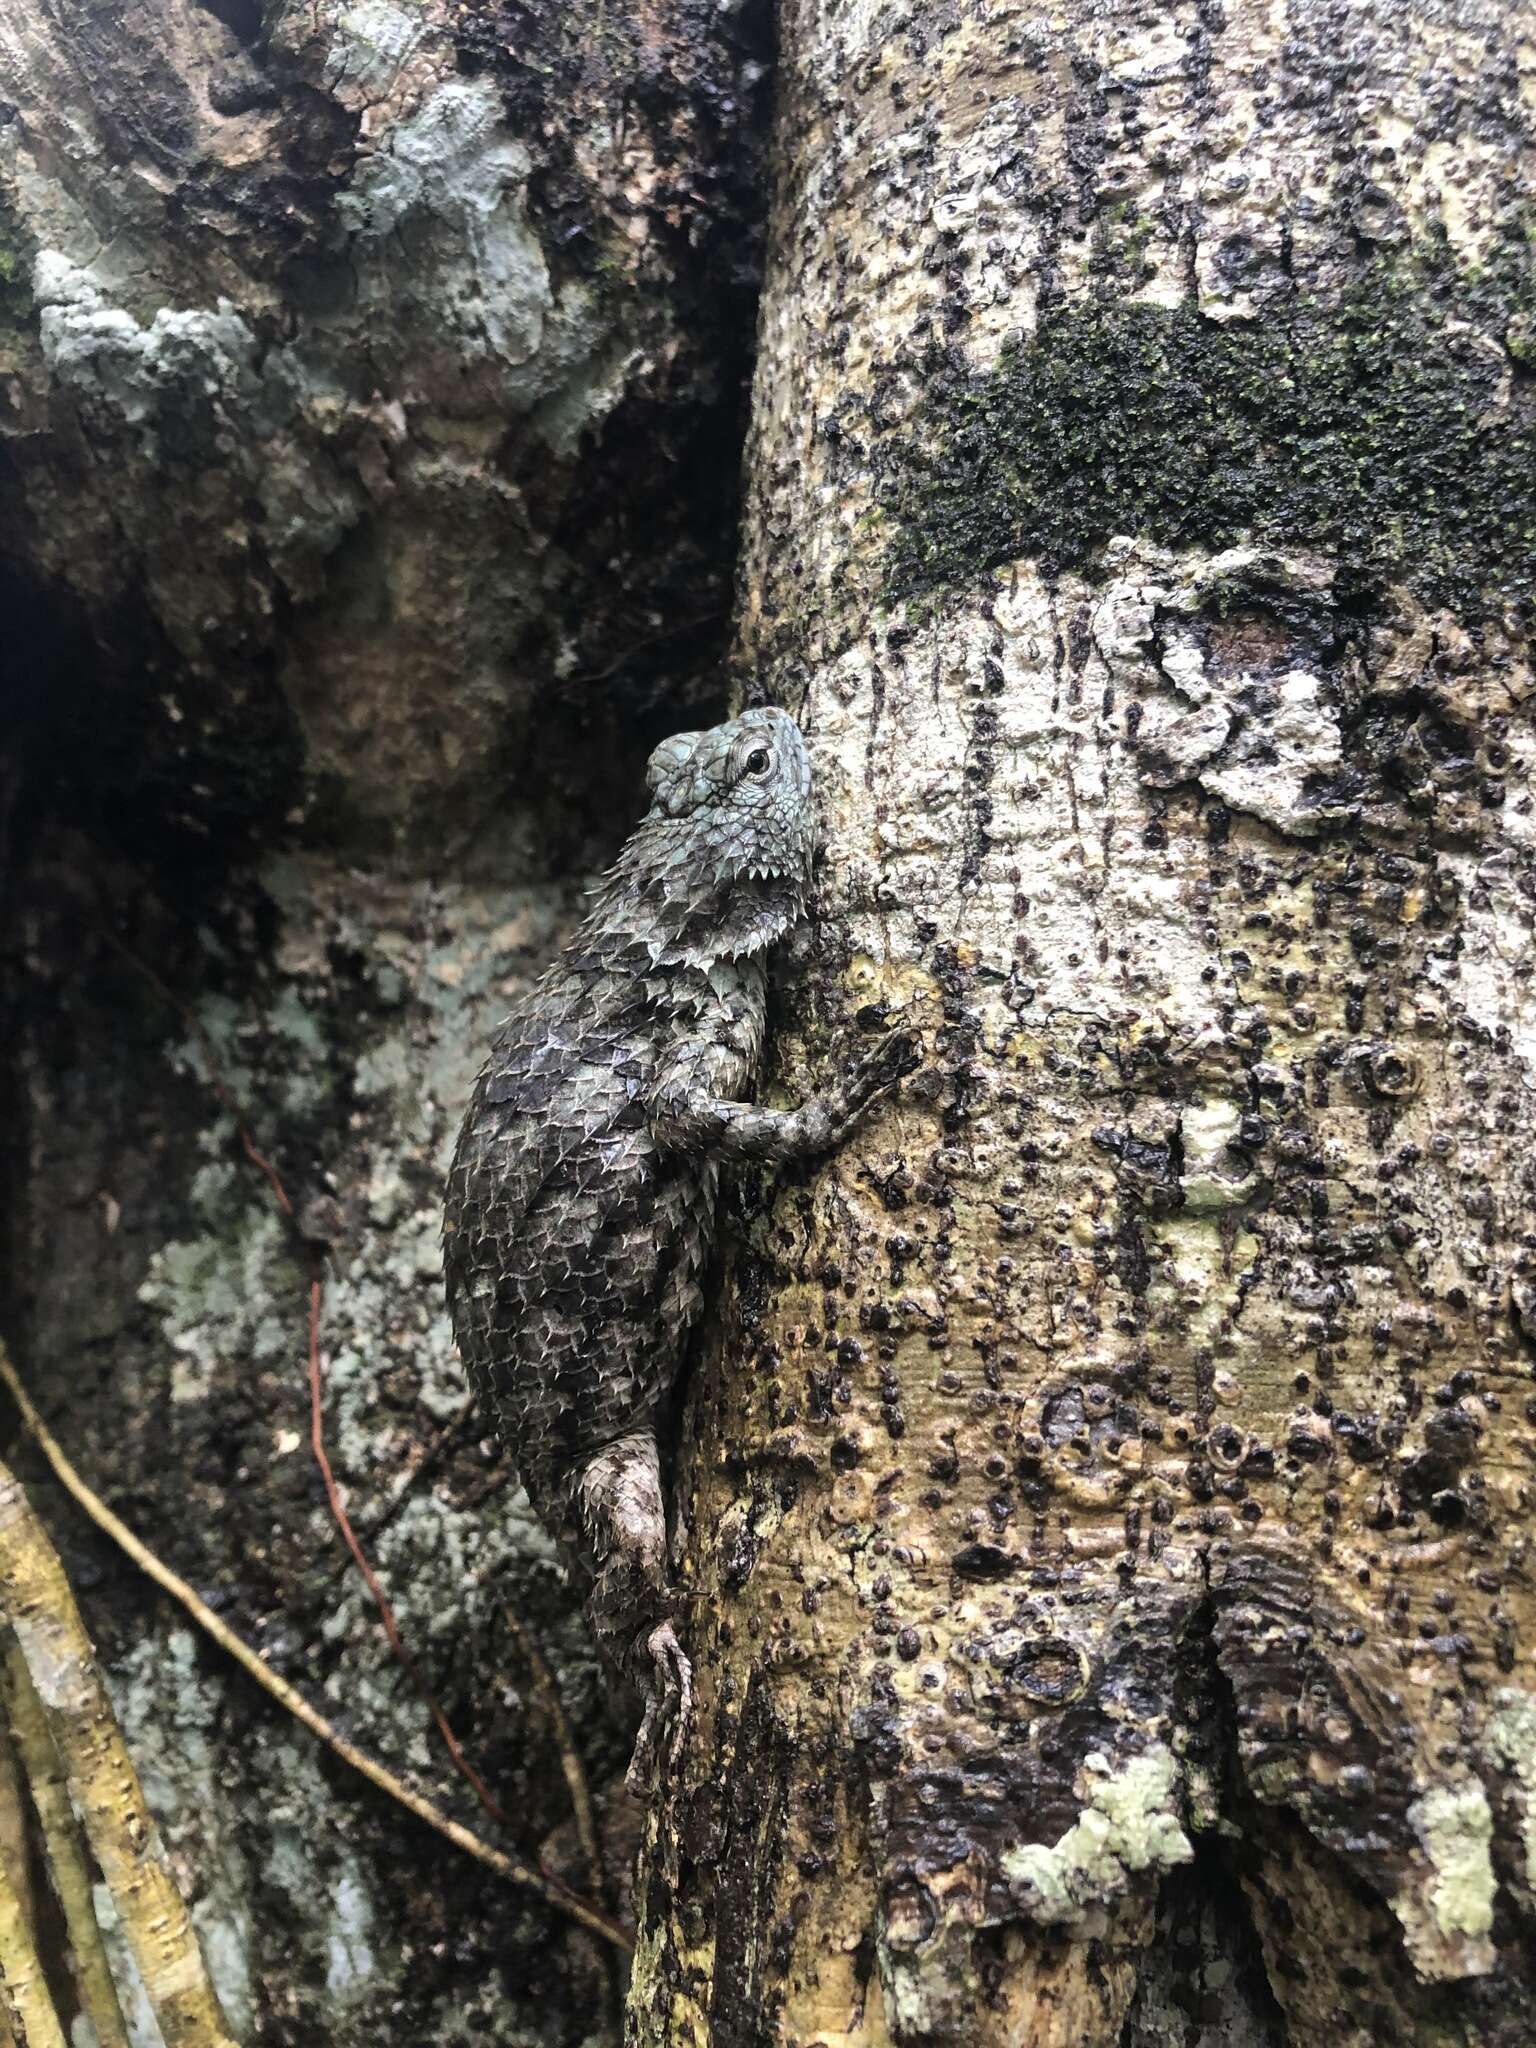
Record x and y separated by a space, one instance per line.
897 1056
881 1068
668 1697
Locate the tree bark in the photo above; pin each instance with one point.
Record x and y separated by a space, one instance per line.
1108 1485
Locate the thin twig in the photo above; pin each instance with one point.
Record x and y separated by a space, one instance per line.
570 1757
656 639
509 1867
425 1459
553 1706
493 1482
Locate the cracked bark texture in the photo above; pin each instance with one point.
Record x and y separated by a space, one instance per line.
1108 1486
371 388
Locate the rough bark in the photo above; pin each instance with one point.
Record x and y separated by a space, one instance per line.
370 388
1109 1483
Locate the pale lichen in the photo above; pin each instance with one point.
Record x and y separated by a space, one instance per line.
1455 1826
215 1293
100 351
1512 1739
449 186
1129 1824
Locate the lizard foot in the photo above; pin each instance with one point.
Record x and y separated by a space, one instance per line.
668 1698
876 1073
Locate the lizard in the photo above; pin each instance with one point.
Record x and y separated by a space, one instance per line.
580 1208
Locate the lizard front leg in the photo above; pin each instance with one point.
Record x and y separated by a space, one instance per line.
687 1114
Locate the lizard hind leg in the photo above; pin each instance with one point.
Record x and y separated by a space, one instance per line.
624 1521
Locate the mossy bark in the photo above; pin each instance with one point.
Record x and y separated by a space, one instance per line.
1109 1482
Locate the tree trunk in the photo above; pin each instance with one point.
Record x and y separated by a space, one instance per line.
371 392
1109 1482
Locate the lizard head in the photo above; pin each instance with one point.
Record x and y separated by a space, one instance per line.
739 798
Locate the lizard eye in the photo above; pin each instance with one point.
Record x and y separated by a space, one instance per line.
757 760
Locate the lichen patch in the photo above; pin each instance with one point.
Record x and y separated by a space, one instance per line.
1129 1824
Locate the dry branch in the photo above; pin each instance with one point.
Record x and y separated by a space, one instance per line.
66 1851
14 1875
26 2010
37 1603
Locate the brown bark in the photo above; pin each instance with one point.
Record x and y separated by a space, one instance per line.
1109 1483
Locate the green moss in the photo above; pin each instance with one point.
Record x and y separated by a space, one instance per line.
1120 242
1370 428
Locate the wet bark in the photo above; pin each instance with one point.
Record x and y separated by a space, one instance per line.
371 389
1108 1484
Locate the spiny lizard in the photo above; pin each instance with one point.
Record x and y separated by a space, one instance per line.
580 1208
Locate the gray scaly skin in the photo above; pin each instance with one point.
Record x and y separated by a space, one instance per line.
580 1206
